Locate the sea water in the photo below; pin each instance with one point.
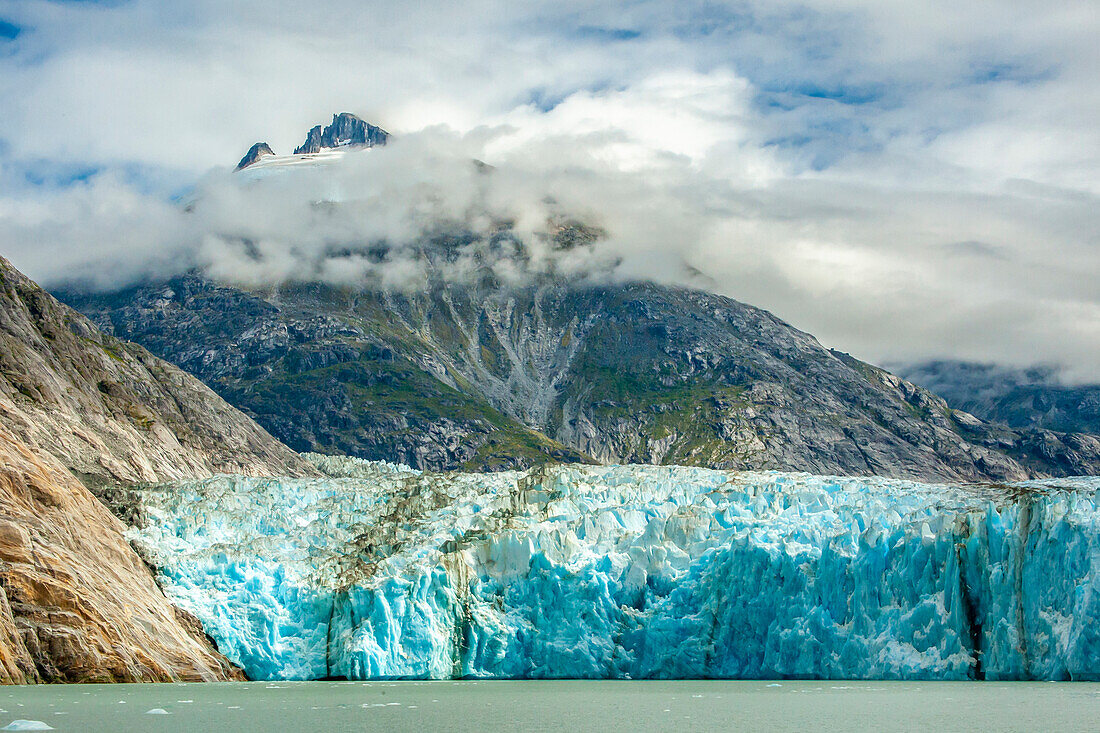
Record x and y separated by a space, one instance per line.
605 706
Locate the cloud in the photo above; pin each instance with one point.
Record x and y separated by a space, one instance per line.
904 182
100 232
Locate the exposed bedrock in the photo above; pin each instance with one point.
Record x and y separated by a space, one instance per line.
76 602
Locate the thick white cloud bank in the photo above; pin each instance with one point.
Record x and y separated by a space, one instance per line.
903 183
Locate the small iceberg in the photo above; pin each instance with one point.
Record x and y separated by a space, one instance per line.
26 725
157 711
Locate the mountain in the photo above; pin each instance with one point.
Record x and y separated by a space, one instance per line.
254 154
1019 398
77 604
485 377
111 411
475 374
346 130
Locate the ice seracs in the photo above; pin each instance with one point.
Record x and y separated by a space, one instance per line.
634 571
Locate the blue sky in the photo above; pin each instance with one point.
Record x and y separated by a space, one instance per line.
843 149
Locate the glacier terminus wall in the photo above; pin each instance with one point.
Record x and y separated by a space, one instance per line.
633 572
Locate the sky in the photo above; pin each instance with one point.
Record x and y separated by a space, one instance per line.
904 180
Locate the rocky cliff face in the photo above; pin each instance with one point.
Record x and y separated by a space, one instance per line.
76 602
110 410
487 377
346 130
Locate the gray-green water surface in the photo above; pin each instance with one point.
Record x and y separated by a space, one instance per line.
559 705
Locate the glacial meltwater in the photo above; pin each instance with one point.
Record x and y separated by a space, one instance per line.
604 706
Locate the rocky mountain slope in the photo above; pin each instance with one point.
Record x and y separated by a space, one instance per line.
76 602
1019 398
110 410
488 377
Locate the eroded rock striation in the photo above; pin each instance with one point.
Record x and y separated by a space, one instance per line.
110 410
76 602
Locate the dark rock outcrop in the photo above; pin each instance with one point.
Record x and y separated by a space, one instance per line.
254 153
346 130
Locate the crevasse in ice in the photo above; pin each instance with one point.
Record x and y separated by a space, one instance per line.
634 571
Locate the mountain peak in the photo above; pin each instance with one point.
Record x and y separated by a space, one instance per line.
254 154
346 130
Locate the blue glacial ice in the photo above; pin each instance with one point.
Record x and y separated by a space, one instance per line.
634 571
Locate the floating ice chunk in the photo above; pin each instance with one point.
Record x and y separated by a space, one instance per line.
22 724
157 711
774 684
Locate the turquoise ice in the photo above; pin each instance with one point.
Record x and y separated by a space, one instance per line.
634 571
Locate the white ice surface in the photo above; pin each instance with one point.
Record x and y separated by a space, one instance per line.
634 571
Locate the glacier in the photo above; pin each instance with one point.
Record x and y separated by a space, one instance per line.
380 571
